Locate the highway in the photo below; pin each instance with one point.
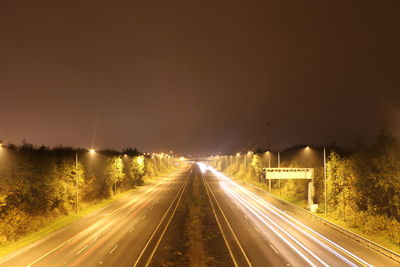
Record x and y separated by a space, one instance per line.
264 232
257 230
124 233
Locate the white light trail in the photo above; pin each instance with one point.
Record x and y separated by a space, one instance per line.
279 213
257 213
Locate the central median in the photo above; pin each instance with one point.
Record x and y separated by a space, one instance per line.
193 237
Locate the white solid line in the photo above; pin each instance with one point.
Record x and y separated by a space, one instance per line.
79 252
111 251
227 222
154 232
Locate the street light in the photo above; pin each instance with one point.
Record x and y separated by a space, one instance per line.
269 166
91 151
326 204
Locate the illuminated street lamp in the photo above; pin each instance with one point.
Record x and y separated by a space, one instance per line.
91 151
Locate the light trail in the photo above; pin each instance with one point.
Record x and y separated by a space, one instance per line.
279 213
270 208
256 213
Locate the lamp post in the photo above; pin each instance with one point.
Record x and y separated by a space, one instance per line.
279 165
77 181
326 204
269 166
91 151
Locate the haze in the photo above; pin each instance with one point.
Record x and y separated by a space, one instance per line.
197 76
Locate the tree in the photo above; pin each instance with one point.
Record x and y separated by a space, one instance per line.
342 191
257 164
114 172
138 168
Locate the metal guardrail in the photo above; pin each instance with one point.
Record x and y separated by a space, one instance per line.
387 252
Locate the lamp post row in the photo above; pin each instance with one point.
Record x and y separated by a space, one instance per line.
279 165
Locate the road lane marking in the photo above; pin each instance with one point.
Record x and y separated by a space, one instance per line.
144 203
274 249
79 252
84 230
256 229
111 251
278 212
255 211
220 228
208 189
131 229
162 219
270 207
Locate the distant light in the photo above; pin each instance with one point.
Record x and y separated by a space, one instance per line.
125 155
238 154
92 151
307 147
267 152
250 152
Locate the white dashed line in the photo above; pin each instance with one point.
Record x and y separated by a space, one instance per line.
111 251
131 229
79 252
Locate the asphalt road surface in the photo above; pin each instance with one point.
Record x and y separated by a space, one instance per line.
268 233
122 234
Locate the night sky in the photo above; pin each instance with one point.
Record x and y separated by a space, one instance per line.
198 76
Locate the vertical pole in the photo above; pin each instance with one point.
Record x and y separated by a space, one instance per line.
269 166
279 160
326 207
77 181
279 165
